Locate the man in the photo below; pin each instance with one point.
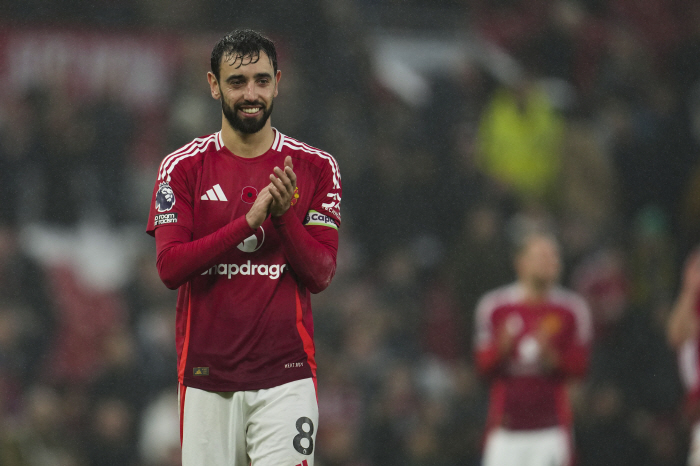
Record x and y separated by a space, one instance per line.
683 333
531 337
245 222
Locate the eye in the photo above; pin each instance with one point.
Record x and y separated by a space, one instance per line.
264 81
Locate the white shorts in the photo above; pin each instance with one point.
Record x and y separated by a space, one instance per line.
271 427
694 453
542 447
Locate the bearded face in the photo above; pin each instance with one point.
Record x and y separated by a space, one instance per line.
245 124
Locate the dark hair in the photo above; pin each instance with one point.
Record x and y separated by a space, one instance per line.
242 44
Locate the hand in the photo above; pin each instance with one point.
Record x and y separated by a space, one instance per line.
549 356
259 210
282 188
505 341
691 273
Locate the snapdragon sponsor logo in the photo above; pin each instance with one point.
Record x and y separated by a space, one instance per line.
273 271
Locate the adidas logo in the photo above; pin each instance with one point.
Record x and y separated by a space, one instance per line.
214 194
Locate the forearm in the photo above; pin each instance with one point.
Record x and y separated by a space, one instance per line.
683 322
179 258
312 259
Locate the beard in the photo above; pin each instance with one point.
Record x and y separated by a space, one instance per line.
246 125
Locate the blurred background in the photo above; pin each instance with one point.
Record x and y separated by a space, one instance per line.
456 125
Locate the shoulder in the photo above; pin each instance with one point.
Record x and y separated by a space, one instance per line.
574 304
570 300
497 298
188 155
298 150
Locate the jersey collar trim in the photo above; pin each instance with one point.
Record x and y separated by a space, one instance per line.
276 144
279 139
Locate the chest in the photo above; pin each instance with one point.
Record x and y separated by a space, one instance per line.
226 189
543 321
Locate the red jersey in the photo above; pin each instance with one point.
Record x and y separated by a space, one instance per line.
244 319
524 395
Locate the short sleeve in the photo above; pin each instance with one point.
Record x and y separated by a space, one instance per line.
583 320
483 328
325 205
172 201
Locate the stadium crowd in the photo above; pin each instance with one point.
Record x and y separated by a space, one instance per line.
433 195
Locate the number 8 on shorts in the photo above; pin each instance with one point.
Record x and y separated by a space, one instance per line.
304 442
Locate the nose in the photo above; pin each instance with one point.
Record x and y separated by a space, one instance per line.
251 93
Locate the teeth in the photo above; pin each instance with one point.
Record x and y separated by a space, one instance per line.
250 110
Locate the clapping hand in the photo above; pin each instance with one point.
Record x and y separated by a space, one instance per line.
282 186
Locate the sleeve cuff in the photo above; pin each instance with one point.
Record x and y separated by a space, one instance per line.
283 219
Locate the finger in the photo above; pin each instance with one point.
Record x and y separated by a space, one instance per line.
282 175
265 191
267 195
276 196
263 199
289 170
291 175
279 185
272 188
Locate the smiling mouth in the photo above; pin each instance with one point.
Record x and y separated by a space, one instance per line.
251 111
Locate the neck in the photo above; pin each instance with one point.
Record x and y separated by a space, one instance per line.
247 145
535 290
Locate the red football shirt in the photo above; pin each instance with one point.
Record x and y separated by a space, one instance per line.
524 395
243 322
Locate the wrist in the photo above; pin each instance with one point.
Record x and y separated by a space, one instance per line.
283 218
252 223
278 215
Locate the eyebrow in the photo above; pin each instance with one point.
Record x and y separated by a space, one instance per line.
255 76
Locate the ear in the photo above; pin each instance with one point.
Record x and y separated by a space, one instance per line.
277 82
214 85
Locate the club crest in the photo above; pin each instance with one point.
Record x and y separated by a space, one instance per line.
165 197
295 198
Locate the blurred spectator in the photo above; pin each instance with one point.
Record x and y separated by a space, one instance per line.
481 260
602 280
587 205
519 139
112 436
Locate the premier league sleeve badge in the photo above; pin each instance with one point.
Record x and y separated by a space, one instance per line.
165 197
